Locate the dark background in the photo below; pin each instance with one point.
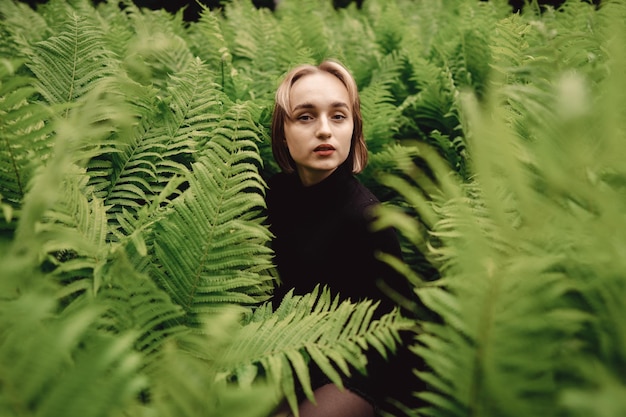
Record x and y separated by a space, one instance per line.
193 9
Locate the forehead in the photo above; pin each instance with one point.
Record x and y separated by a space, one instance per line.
318 88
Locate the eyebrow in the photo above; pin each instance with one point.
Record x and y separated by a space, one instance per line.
335 104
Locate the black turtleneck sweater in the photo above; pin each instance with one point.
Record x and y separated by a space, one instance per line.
323 236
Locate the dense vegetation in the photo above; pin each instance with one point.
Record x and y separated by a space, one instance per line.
134 252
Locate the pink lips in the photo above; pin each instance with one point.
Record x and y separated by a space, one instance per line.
324 150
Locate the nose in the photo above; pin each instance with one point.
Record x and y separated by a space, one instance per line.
323 128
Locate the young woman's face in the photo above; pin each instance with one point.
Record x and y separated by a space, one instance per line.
320 131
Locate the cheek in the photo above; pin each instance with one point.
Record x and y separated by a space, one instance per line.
292 144
291 132
289 137
346 134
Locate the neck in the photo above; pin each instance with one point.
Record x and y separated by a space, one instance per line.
309 178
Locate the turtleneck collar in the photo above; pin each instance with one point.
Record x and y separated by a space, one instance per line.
333 179
329 190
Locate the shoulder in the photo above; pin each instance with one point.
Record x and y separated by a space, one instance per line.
359 204
362 197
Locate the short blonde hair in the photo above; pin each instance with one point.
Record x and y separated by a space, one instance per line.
357 157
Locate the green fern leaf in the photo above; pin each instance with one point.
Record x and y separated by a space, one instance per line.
23 131
380 114
358 36
225 259
117 27
254 50
313 327
137 166
312 18
196 105
73 62
390 27
20 27
433 115
62 356
206 40
78 234
155 55
134 303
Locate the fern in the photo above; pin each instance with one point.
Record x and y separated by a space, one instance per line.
207 42
42 342
314 327
72 63
312 28
81 222
39 343
114 323
358 36
515 251
196 109
298 51
224 261
390 27
187 381
470 59
22 130
377 105
117 27
259 56
134 256
434 118
141 163
20 26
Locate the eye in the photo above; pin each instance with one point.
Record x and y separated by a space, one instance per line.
339 116
304 117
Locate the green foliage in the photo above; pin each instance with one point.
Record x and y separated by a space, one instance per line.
276 340
22 129
526 247
134 249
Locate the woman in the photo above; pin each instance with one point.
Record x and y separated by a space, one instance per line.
321 215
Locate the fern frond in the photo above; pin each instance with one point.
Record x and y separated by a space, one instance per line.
380 114
225 259
23 131
184 379
45 224
117 27
169 130
75 236
296 50
509 47
313 327
207 41
519 247
255 50
395 158
134 303
483 298
196 105
154 55
434 115
61 357
73 62
20 27
390 26
358 36
469 58
314 18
